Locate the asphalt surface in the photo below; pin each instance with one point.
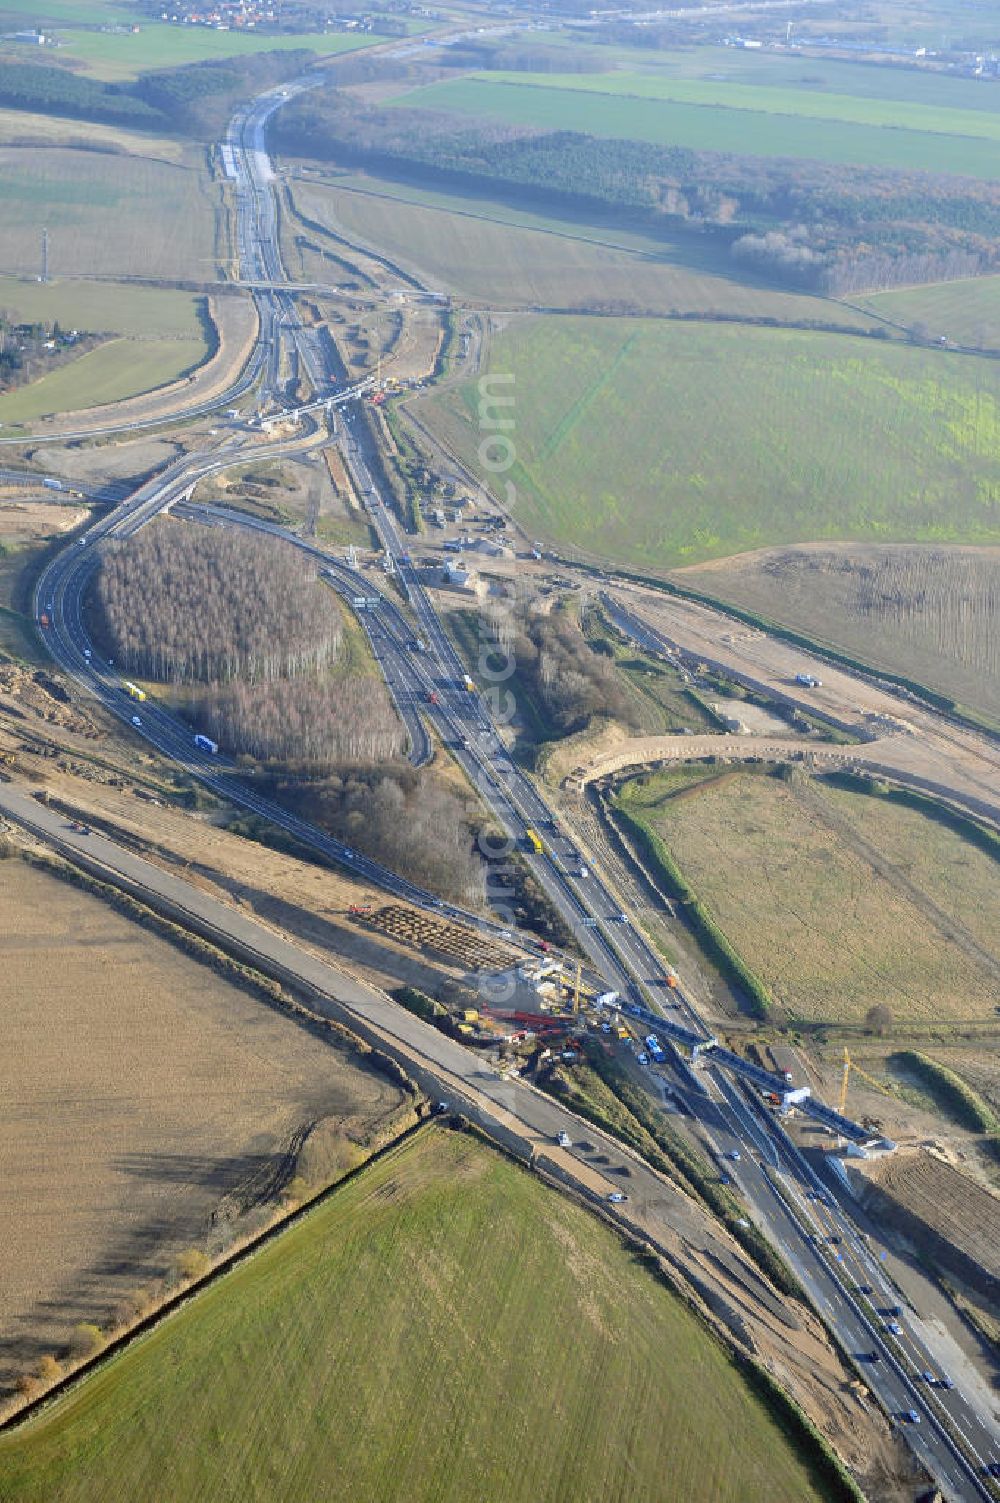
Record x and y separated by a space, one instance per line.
952 1437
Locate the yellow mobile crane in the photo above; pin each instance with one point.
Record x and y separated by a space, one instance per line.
852 1064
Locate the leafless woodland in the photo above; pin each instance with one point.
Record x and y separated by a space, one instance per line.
192 604
317 720
247 617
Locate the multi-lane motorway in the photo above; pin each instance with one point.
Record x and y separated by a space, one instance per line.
953 1434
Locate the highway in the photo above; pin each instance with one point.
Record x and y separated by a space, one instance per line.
953 1438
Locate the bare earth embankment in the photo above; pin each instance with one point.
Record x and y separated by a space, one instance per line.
928 612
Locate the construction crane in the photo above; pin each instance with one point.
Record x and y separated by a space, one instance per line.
852 1064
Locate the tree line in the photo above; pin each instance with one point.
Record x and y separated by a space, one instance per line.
195 100
811 224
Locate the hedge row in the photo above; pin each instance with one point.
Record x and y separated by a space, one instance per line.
419 1004
981 836
951 1092
839 1483
662 1150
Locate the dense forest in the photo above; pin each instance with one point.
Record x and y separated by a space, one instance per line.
811 224
326 722
193 604
193 101
247 618
396 815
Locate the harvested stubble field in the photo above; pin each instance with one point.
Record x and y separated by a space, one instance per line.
443 1326
107 215
926 612
514 257
144 1095
727 439
837 900
595 105
22 128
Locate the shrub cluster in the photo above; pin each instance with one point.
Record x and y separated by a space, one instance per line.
952 1093
571 681
395 815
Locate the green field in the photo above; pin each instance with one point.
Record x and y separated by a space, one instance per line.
67 12
779 70
708 127
120 368
443 1328
102 308
159 45
162 336
966 312
107 215
772 100
837 900
485 249
657 444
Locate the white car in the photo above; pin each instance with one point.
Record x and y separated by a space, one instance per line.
617 1196
136 720
564 1140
